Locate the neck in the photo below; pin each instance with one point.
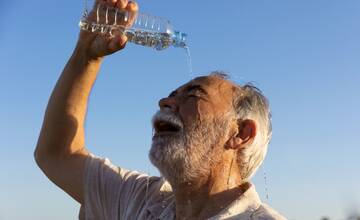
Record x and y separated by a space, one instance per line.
205 197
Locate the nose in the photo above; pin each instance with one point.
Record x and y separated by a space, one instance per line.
169 102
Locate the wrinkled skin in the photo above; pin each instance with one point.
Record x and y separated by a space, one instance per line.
189 154
198 160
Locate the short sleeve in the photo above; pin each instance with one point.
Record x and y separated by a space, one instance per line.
111 192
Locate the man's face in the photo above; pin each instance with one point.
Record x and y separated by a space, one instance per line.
191 128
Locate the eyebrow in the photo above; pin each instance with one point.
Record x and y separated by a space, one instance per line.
196 87
190 89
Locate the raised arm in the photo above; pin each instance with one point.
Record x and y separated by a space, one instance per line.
60 151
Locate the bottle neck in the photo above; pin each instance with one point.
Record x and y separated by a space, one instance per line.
179 39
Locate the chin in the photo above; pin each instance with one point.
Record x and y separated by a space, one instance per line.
175 162
169 156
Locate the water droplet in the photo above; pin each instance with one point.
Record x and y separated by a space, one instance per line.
266 187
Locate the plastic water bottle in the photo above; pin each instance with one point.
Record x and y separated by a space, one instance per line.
147 30
155 32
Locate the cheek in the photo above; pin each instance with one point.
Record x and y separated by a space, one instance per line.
197 111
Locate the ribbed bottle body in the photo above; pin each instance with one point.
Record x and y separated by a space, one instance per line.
146 30
151 31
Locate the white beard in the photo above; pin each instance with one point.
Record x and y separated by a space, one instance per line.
188 154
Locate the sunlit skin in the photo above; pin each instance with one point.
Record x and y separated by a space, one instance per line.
206 98
61 150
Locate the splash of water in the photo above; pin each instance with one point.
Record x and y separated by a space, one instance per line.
189 61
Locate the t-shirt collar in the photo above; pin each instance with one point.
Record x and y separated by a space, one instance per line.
242 207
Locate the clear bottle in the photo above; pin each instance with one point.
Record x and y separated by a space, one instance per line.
147 30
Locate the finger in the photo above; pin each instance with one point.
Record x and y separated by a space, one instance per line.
111 2
98 7
97 2
121 4
117 43
132 8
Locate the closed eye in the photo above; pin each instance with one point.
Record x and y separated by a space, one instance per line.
194 94
196 91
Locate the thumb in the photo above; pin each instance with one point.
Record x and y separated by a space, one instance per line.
117 43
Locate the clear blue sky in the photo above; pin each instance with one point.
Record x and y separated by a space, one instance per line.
304 55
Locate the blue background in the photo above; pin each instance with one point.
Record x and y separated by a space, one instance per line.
304 55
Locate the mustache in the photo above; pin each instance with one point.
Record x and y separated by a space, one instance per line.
167 116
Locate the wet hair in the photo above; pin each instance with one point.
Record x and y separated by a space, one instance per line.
250 103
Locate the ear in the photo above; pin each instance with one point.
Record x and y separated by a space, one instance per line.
246 132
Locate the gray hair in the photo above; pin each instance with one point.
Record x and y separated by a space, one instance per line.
250 103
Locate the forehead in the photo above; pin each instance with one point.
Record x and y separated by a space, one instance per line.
210 83
216 87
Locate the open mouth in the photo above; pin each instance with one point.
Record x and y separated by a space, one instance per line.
165 127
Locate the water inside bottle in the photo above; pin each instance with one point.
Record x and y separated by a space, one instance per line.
156 40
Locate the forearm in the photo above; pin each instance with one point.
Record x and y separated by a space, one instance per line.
62 132
60 151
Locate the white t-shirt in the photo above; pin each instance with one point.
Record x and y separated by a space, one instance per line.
114 193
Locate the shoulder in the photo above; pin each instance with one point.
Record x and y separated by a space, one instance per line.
265 212
109 176
112 191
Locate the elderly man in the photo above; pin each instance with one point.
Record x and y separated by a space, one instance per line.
210 137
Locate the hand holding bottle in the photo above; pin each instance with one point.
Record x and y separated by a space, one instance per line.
96 45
